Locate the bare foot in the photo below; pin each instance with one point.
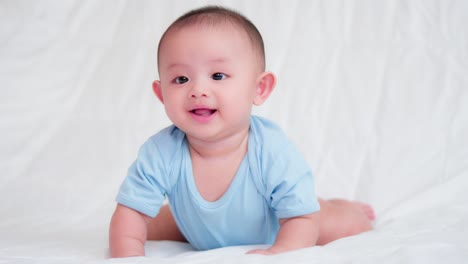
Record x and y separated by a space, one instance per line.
367 209
341 218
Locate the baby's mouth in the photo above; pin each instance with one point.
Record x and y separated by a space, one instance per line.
203 111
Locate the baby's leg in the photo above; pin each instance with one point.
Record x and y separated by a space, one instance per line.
163 227
342 218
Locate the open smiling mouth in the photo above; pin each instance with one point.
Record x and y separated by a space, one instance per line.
203 111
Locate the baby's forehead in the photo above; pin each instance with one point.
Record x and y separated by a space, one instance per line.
210 42
216 25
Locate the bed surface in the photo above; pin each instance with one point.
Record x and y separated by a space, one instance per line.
374 93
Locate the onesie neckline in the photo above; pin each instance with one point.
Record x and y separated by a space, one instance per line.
241 172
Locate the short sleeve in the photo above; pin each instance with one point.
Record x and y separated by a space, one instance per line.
280 171
144 189
289 183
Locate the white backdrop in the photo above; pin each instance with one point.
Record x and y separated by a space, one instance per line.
375 93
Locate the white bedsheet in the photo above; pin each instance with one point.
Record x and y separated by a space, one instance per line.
375 93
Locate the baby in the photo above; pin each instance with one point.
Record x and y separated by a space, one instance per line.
231 178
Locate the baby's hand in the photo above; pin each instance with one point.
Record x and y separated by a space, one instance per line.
261 251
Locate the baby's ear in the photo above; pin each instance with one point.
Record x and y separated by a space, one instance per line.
157 90
265 85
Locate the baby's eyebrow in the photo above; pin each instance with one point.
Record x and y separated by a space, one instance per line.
177 65
220 60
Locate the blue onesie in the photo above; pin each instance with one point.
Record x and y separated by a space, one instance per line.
273 181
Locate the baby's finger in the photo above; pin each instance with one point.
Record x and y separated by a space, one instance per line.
259 251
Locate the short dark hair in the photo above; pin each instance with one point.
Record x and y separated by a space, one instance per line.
215 14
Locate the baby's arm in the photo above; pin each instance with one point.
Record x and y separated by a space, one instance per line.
127 234
295 233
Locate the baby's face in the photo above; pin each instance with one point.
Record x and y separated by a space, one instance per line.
208 78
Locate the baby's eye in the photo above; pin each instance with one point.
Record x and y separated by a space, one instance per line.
218 76
181 80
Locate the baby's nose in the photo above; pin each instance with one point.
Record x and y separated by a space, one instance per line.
198 90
